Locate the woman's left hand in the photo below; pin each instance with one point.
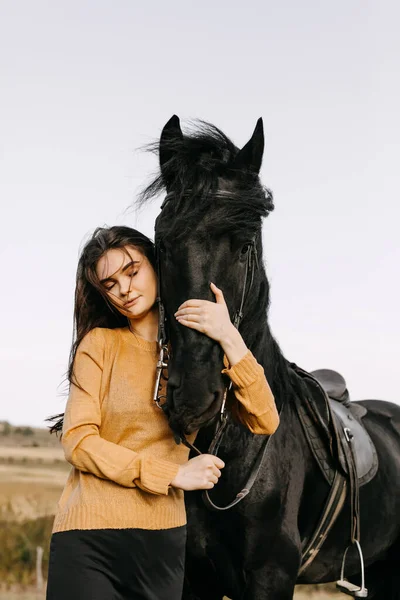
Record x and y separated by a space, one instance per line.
210 318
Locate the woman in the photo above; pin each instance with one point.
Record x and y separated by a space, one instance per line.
119 531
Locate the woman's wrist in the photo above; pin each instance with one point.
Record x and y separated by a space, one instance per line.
233 345
175 481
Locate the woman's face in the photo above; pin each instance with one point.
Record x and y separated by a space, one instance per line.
129 281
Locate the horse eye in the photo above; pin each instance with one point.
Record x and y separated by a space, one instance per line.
245 249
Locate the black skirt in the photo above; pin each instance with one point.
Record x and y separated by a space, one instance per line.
117 564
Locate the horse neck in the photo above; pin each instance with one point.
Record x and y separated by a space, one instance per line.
259 339
264 347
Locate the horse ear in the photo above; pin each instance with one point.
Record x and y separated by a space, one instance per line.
251 155
171 133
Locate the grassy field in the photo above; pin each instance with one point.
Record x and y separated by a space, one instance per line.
32 474
31 480
15 595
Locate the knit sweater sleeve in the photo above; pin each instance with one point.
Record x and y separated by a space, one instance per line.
83 445
255 406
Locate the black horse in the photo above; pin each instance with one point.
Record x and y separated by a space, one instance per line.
209 223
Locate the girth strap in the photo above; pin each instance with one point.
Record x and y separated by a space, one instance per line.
332 508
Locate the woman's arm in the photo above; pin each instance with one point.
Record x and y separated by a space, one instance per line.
256 405
83 446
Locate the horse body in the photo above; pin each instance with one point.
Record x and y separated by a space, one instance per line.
253 551
208 225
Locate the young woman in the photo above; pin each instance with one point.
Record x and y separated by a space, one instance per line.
119 531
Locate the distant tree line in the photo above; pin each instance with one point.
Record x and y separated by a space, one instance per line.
6 429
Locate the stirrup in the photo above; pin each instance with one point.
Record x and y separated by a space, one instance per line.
350 588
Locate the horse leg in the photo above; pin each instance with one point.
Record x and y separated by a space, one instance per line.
383 577
201 582
270 583
276 577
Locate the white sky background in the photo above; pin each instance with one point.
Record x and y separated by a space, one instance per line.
85 83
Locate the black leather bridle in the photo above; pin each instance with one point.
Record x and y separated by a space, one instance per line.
162 363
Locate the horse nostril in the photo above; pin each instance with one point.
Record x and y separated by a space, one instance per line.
173 380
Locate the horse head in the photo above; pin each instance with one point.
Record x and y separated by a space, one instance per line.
209 229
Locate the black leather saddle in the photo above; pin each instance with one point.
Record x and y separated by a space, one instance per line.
334 427
333 383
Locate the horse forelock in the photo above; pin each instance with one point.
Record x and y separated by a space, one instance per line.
205 187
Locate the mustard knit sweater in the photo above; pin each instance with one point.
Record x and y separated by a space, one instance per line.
119 443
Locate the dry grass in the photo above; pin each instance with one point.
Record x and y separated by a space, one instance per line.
32 453
31 481
10 595
318 592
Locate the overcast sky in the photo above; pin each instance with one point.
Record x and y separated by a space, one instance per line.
84 83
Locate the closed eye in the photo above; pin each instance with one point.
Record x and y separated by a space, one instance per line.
109 287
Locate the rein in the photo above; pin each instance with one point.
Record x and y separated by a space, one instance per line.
162 363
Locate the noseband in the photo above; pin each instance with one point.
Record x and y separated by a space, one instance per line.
162 364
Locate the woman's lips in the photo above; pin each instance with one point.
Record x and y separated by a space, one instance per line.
131 302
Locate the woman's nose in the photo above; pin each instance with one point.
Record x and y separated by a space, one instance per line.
125 287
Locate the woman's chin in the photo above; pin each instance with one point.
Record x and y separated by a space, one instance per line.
140 310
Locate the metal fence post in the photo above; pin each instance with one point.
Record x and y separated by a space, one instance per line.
39 572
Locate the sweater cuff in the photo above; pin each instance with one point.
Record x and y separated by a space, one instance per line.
156 475
245 372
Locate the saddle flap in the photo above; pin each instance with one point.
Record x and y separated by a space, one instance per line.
329 424
355 440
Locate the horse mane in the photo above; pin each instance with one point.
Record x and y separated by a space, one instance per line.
200 173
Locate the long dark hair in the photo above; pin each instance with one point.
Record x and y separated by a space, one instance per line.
92 306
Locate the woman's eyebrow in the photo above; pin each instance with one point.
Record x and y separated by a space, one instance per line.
129 264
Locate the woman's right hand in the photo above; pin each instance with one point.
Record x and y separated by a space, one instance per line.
199 473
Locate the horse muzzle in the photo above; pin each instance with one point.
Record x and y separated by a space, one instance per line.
192 407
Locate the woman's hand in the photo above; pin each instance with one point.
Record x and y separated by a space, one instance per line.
212 319
199 473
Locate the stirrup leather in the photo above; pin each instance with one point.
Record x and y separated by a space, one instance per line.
346 586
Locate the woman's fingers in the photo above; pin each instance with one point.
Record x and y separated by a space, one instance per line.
214 474
181 312
192 317
189 317
192 303
219 296
210 318
199 473
197 303
191 324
